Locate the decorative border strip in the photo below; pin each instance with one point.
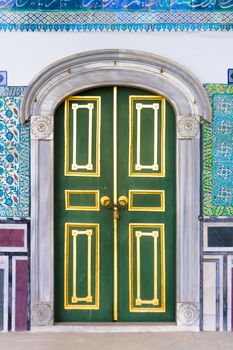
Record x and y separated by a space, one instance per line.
116 20
12 91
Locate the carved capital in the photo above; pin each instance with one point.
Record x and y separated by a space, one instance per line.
42 314
187 314
41 127
187 127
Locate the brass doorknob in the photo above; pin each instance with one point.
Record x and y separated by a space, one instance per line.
105 201
123 201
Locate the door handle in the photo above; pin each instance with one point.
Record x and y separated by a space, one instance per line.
122 201
105 201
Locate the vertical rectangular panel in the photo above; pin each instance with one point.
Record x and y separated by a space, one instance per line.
147 127
1 298
19 293
82 136
4 290
231 298
81 266
209 296
147 268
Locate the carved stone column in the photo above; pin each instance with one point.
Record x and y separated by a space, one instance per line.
188 226
42 220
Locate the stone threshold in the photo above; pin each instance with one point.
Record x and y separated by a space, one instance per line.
117 327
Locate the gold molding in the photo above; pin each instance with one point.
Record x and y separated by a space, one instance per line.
86 229
162 171
96 99
136 302
161 193
115 211
96 193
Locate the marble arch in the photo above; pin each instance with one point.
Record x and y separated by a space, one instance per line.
128 68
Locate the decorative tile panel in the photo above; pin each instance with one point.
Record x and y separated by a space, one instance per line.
217 176
128 15
14 156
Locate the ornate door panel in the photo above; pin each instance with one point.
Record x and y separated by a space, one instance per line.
115 207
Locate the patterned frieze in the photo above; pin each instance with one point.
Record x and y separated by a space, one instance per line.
119 19
75 5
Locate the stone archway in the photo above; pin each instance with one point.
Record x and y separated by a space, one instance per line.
129 68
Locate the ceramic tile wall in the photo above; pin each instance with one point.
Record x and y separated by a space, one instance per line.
14 156
217 169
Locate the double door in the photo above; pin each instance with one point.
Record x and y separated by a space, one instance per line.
114 207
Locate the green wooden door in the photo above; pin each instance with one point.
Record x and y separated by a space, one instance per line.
114 207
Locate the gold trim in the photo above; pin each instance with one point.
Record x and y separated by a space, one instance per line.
161 193
139 235
131 130
133 302
97 99
75 232
115 211
96 193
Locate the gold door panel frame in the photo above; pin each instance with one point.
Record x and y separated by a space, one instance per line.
144 193
92 166
138 232
157 169
81 194
71 298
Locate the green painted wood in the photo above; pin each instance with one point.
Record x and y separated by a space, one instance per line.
104 183
103 217
168 217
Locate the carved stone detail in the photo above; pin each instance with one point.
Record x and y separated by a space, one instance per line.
41 128
42 314
187 127
187 314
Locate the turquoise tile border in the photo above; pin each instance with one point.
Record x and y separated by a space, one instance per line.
116 21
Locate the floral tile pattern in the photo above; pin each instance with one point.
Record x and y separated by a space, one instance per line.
217 175
14 156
